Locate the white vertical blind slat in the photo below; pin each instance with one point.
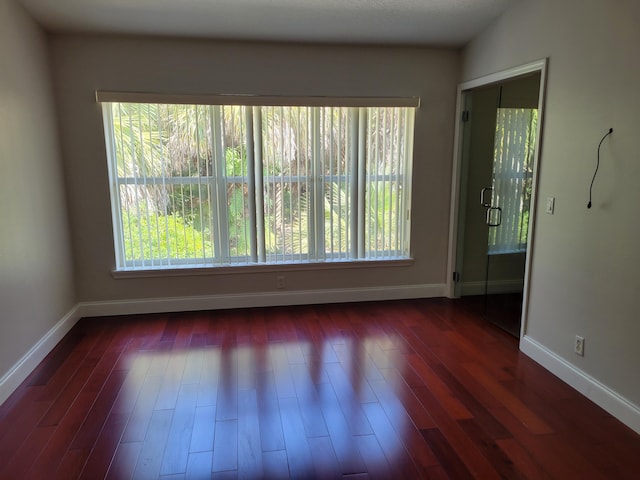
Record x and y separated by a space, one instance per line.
363 149
352 180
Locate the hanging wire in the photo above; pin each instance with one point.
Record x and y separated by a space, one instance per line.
597 165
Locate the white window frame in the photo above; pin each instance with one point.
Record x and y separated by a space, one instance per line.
255 180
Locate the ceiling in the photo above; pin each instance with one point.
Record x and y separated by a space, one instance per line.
394 22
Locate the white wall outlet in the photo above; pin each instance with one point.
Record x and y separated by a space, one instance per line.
578 346
280 281
550 205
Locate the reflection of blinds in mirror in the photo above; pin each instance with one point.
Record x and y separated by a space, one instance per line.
512 175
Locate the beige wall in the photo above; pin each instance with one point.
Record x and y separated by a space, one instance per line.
585 266
36 287
84 64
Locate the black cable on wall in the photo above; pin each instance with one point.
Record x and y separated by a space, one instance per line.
597 166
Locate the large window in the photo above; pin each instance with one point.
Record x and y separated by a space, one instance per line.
216 184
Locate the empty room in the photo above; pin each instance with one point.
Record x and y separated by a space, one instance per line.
319 239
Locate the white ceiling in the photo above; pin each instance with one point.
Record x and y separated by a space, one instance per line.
406 22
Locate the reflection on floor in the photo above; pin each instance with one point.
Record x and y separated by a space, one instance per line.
503 310
382 390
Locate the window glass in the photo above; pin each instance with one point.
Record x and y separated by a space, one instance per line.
205 185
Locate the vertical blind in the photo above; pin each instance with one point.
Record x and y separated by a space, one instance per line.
512 174
204 185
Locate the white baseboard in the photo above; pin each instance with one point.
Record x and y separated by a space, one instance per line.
12 379
21 370
261 299
600 394
616 405
494 286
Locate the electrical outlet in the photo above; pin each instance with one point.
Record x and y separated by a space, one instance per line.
578 346
280 281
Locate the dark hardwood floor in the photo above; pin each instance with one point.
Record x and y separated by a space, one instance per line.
406 389
503 310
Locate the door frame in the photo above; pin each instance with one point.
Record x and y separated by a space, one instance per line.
458 196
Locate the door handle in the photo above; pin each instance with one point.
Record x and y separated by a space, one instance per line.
490 220
483 201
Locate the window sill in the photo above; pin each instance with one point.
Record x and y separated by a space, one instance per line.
254 268
508 252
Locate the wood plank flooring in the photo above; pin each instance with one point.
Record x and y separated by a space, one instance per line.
381 390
